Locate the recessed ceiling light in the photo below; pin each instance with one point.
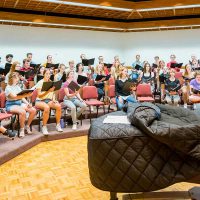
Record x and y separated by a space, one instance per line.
86 5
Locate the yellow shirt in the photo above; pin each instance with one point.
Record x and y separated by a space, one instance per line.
50 95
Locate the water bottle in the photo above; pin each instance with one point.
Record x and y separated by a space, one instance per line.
62 123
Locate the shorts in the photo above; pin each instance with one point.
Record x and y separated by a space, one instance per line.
43 100
9 104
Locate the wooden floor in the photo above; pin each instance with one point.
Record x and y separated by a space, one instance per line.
55 170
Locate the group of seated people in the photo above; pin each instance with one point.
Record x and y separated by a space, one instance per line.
172 81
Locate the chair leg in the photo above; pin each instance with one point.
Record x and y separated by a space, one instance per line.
108 108
90 113
104 109
18 124
97 111
39 128
113 196
81 119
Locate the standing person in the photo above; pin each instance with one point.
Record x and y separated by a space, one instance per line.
73 100
137 61
172 86
71 66
101 59
9 58
115 70
172 60
49 60
156 62
121 95
18 104
29 57
46 101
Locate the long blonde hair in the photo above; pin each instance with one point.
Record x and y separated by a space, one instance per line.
99 71
121 72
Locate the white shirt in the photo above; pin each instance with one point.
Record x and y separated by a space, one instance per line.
12 89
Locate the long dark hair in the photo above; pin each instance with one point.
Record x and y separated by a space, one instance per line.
77 66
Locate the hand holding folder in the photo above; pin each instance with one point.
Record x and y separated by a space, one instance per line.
74 86
48 85
26 91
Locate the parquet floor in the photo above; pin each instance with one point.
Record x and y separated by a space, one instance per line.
55 170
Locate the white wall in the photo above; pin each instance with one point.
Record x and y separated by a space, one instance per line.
66 44
182 43
63 44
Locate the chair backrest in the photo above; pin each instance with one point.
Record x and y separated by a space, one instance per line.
2 100
111 81
34 96
111 91
61 95
90 92
178 75
144 90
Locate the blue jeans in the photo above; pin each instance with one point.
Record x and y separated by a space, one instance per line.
129 99
72 104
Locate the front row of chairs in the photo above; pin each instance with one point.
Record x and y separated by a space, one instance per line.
89 94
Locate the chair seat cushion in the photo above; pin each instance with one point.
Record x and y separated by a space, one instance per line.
146 99
5 116
94 103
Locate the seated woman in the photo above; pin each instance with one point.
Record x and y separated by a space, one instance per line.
18 104
73 99
172 86
121 94
195 90
148 76
79 71
40 74
61 73
45 101
100 83
188 75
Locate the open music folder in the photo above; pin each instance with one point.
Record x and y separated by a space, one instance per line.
47 85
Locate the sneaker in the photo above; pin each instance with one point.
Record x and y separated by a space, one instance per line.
58 128
185 105
21 133
194 106
10 133
44 130
74 127
28 130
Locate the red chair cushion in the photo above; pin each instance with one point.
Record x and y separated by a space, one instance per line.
94 103
146 99
5 116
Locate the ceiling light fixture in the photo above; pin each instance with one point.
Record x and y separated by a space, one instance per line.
62 25
169 8
86 5
162 27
